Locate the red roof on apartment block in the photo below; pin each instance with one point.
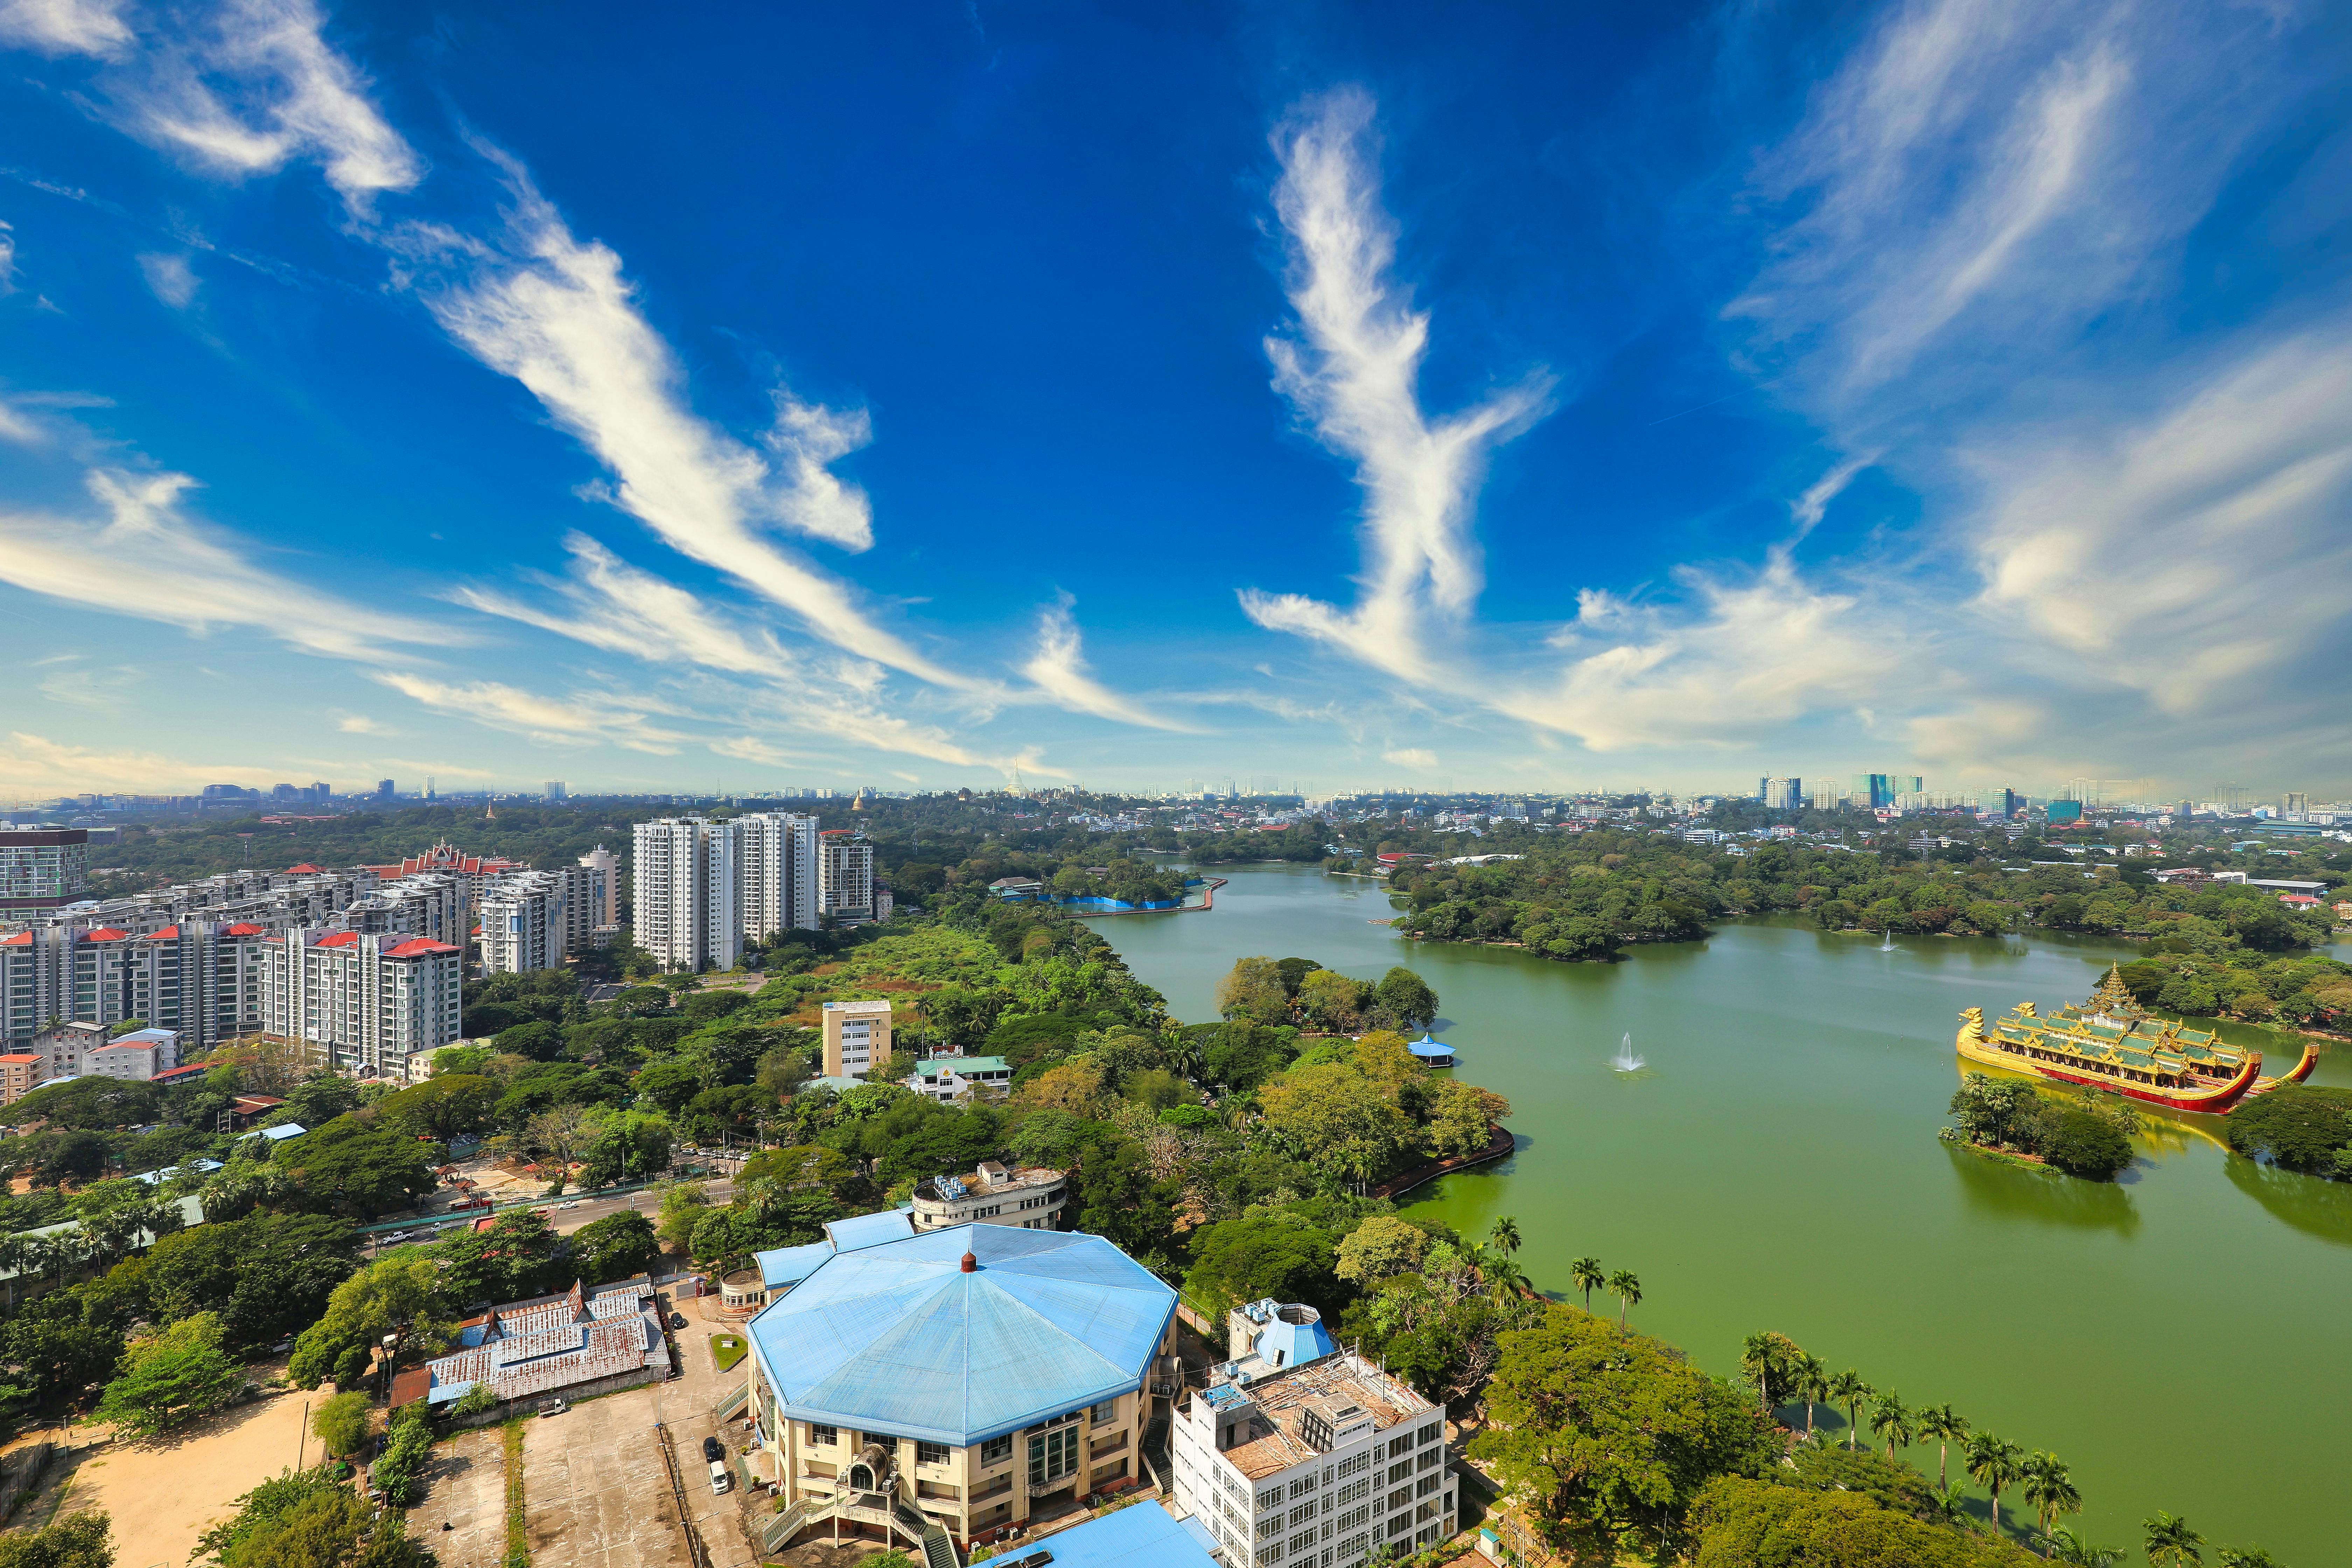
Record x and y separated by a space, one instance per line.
22 939
304 869
340 938
418 947
169 934
105 934
15 1058
246 928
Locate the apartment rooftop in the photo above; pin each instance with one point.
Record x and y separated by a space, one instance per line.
1300 1411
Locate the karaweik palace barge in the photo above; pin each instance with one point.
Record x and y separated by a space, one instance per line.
2111 1042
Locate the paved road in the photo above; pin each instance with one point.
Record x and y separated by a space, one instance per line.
568 1215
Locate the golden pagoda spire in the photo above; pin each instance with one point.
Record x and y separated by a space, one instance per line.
2113 996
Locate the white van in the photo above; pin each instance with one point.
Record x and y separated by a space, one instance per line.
721 1479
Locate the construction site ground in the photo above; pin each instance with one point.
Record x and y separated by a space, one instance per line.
595 1491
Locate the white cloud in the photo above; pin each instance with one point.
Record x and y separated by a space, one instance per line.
1351 373
7 259
2197 549
145 557
581 719
253 85
1059 671
615 607
1411 757
170 278
358 724
557 315
1808 509
34 764
90 688
63 26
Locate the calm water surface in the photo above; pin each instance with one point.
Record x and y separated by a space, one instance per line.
2179 1337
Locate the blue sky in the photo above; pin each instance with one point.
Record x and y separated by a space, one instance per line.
1353 395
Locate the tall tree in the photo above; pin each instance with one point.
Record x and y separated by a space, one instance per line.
1947 1426
1848 1389
2049 1488
1586 1276
1995 1464
1627 1288
1811 1384
2169 1542
1890 1418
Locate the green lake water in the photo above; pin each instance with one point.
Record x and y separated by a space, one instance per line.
2179 1337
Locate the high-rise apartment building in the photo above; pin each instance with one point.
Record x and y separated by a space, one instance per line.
686 903
555 789
527 921
781 879
1784 794
1825 796
41 869
604 890
367 1002
846 876
384 789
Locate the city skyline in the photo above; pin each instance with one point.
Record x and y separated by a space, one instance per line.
1506 405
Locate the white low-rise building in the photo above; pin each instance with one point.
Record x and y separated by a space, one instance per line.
1300 1455
992 1194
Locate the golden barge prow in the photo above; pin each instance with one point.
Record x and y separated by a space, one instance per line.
2111 1042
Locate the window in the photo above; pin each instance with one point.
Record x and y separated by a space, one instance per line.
1400 1471
1301 1543
1400 1446
1301 1486
1355 1517
1401 1525
1431 1459
1270 1528
930 1452
996 1450
1270 1498
1354 1463
1400 1498
1431 1433
1107 1411
1053 1455
1426 1485
1302 1514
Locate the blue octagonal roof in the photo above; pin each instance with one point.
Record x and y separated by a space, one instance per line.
898 1339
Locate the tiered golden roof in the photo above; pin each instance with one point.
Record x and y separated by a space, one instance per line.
2112 1037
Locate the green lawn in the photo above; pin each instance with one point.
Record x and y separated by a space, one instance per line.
727 1350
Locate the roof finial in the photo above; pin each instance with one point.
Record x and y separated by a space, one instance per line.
970 1264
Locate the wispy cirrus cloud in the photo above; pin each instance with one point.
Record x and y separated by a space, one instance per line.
141 554
63 26
557 315
36 764
1352 371
619 719
1058 668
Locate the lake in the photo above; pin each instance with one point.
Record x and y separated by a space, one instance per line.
2179 1337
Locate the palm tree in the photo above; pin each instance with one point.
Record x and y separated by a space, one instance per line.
1891 1420
1771 1359
1504 1233
1586 1276
2049 1488
1848 1389
1949 1505
2249 1557
1811 1384
1994 1464
2062 1545
1501 1273
1947 1426
2170 1541
1628 1291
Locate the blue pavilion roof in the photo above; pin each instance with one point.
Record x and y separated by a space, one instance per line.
865 1230
896 1338
1144 1536
791 1264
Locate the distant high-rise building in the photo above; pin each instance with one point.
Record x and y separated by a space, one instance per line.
41 869
1784 794
603 870
846 876
1825 796
384 789
686 900
782 877
2296 802
555 789
1872 792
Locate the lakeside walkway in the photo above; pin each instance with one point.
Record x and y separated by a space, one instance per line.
1498 1146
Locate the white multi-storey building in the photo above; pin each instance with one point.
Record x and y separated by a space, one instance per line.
199 978
532 919
370 1003
846 878
603 869
687 897
41 869
1298 1455
779 871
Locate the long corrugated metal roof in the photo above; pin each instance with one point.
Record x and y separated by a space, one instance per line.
870 1229
896 1338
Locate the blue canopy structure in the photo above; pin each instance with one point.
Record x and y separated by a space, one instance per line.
899 1338
1434 1051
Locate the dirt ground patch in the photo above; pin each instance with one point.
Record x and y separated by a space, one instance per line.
465 1490
165 1493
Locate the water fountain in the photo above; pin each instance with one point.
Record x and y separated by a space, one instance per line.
1625 1060
1887 946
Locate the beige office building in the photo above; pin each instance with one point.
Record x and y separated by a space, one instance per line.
857 1037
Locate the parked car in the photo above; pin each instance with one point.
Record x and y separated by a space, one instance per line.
678 1320
721 1479
713 1449
553 1407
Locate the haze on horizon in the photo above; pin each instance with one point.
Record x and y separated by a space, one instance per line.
1539 399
